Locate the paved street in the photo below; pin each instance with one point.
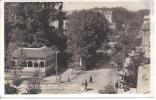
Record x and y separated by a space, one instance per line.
101 77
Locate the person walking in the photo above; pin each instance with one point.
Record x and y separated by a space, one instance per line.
60 79
116 85
86 84
90 79
68 78
82 84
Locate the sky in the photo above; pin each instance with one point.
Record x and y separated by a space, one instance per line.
133 6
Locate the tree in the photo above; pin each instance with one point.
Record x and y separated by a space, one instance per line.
9 89
17 69
30 23
123 47
8 59
123 16
86 32
133 68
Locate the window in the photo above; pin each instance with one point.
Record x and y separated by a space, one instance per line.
24 64
49 62
46 63
41 64
65 23
35 64
29 63
52 61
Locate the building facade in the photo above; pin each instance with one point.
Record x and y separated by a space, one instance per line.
146 36
42 59
143 82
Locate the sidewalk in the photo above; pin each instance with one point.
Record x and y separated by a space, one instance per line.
64 77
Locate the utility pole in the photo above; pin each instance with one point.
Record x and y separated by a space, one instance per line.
56 67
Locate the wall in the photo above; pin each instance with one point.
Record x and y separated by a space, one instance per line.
143 82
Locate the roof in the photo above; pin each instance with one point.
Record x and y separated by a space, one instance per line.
35 52
109 51
107 12
112 43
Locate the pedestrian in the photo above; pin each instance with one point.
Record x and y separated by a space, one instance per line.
82 83
60 79
90 79
68 78
116 85
86 84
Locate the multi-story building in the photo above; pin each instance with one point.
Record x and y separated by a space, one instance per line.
109 16
146 36
143 82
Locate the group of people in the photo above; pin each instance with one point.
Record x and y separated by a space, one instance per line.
122 75
122 85
85 83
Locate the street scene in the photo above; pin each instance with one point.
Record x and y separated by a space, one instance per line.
77 48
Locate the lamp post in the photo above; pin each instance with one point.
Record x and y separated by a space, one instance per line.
56 67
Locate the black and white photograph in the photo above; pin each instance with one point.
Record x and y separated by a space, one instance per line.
77 48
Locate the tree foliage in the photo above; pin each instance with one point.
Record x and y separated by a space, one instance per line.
86 32
10 90
17 67
123 16
27 24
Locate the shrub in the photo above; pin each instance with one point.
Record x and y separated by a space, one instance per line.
34 84
10 90
16 79
108 89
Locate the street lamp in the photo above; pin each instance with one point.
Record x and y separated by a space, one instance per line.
56 66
